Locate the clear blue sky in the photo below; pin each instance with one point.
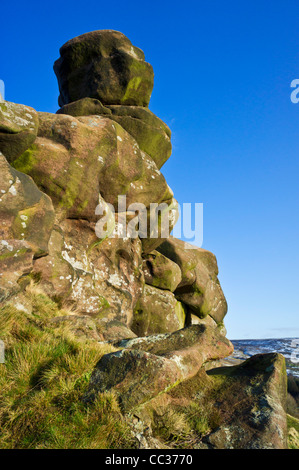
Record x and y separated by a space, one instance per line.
222 83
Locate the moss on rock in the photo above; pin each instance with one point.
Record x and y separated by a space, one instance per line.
106 66
18 128
157 311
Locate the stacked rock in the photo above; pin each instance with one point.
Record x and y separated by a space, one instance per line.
155 297
102 143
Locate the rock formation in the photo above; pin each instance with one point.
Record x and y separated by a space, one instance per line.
156 298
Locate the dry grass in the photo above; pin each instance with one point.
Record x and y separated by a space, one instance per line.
172 427
43 379
184 426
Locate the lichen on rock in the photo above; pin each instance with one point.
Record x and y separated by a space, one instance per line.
154 302
103 65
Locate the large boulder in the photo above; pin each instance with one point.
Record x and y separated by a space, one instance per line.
85 107
150 132
18 128
157 311
106 66
252 397
147 367
235 407
99 278
16 261
90 156
160 271
199 288
26 220
26 213
86 157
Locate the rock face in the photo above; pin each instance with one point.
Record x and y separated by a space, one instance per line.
27 218
103 280
157 310
257 390
151 134
103 65
146 367
26 213
18 128
80 191
161 272
16 260
199 287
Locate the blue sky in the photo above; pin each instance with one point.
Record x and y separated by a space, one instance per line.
222 83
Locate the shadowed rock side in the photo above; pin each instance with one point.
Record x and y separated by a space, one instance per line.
27 218
103 65
148 366
256 391
199 288
239 407
18 128
155 298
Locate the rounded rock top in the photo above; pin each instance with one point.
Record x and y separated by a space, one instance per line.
104 65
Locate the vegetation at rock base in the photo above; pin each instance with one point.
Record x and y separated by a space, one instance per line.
293 412
293 396
44 376
114 342
46 373
293 432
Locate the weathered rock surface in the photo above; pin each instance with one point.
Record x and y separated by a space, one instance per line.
16 260
199 288
256 391
18 128
114 331
209 321
150 132
103 279
106 66
148 366
26 221
241 407
157 311
85 107
167 214
82 153
90 156
86 327
160 271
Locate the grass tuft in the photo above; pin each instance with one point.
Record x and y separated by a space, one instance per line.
43 379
